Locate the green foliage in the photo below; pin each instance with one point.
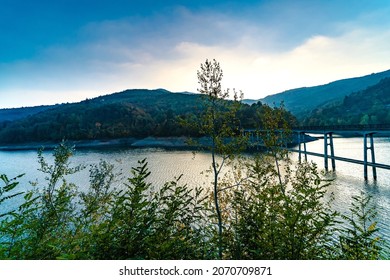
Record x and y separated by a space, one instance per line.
6 191
144 224
46 218
359 239
268 223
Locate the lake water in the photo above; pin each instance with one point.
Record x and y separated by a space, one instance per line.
349 178
165 165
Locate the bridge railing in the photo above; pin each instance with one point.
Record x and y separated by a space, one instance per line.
352 127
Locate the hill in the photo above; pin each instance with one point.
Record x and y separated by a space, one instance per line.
302 101
131 113
137 113
12 114
369 106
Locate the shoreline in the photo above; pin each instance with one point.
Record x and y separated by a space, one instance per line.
180 143
148 142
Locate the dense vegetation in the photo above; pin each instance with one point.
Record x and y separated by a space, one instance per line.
370 106
132 113
302 101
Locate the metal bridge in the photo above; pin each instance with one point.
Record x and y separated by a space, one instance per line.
349 127
327 134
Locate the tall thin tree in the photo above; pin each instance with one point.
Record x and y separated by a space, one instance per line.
221 124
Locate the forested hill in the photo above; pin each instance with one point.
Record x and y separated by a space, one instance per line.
302 101
9 115
131 113
370 106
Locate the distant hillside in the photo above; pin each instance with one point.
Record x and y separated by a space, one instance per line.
302 101
369 106
132 113
250 101
8 115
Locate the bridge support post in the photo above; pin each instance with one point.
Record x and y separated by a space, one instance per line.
328 141
301 141
371 148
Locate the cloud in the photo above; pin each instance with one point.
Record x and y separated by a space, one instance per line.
166 51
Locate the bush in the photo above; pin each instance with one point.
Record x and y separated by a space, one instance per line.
359 239
267 223
57 222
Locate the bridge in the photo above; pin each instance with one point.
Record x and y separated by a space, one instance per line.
327 133
358 129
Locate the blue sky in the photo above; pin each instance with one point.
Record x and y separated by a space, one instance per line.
69 50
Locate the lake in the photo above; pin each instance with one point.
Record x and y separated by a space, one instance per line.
349 178
165 165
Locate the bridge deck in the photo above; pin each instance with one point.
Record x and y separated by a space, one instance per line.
346 129
328 132
356 161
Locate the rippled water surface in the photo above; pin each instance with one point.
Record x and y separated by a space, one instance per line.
349 178
165 165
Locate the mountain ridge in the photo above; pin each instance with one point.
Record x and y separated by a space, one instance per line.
369 106
301 101
143 104
136 113
12 114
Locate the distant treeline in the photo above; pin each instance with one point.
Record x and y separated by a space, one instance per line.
132 113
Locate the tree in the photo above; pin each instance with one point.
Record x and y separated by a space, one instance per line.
221 124
275 135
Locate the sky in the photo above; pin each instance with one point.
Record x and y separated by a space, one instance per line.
69 50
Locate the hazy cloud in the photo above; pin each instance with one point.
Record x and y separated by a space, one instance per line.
261 55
